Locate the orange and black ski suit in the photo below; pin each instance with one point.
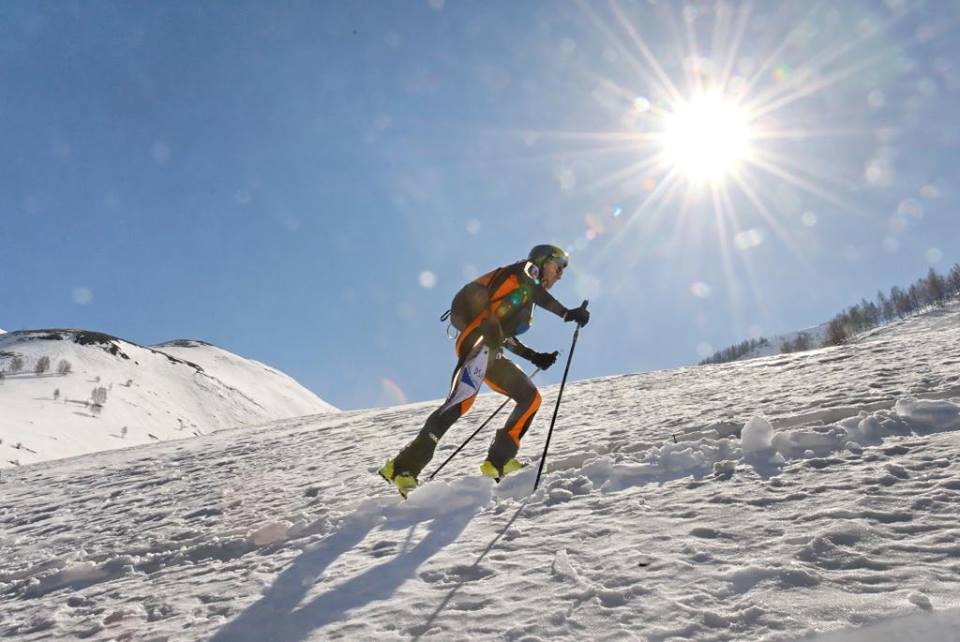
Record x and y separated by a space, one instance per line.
493 310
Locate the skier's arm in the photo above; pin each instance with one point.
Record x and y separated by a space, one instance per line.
546 301
515 346
542 360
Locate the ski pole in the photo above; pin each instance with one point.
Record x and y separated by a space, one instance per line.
576 333
477 431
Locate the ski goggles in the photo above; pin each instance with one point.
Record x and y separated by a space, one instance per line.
562 260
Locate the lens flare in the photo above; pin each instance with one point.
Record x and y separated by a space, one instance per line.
428 280
748 239
700 290
82 295
391 393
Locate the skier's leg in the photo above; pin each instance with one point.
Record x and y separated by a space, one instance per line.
468 379
506 378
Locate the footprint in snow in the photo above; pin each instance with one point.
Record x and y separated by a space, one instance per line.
457 574
384 548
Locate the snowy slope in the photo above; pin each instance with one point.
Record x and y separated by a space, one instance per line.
150 395
772 499
264 385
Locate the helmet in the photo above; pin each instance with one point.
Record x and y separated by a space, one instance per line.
540 254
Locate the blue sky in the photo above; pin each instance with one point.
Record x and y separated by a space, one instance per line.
308 184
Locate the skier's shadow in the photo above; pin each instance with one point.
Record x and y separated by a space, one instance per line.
421 630
276 615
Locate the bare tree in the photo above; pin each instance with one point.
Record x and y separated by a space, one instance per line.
917 295
871 313
98 397
56 394
901 302
16 364
802 342
836 331
854 319
886 307
64 367
953 279
43 364
936 287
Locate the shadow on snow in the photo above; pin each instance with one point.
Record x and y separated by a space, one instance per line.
279 615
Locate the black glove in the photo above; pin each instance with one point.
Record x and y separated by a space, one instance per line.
581 315
544 360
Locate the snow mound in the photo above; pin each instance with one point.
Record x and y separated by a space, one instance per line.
757 436
937 415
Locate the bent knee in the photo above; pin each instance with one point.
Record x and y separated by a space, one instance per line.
466 404
530 399
535 400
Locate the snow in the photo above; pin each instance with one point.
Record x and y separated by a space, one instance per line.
182 389
757 436
812 495
261 383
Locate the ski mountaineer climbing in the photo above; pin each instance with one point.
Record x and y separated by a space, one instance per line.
489 313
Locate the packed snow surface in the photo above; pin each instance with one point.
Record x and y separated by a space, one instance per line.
177 390
814 494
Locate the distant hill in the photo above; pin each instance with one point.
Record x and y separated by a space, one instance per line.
67 392
812 336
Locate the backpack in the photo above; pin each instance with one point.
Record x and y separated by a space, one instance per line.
472 299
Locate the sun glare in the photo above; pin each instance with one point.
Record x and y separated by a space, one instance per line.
706 138
710 117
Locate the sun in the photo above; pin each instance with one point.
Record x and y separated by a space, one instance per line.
706 138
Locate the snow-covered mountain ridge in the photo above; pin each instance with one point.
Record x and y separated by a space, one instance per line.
774 499
67 392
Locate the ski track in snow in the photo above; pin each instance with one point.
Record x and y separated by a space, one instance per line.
764 500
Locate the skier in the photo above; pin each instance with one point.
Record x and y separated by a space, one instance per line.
489 313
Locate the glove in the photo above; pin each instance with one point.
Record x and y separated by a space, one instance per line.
581 315
544 360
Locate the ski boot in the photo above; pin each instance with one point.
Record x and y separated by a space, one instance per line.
512 466
405 482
